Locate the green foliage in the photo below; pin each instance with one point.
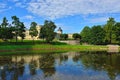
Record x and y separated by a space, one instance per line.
5 30
97 35
42 33
107 34
109 30
63 36
22 31
47 31
33 31
86 34
76 36
16 26
117 31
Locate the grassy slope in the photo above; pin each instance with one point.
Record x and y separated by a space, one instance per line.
49 48
41 46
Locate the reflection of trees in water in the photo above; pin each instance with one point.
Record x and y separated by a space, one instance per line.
46 64
33 66
3 61
108 63
15 68
3 74
76 58
63 58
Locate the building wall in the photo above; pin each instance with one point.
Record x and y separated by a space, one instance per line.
70 36
28 37
38 27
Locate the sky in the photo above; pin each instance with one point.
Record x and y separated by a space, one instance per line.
71 15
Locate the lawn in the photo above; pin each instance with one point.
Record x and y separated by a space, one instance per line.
41 46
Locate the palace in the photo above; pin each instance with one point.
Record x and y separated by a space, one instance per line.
38 27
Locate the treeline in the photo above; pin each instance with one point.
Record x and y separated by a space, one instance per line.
17 29
99 34
102 34
9 31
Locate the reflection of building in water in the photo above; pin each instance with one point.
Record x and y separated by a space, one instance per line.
27 59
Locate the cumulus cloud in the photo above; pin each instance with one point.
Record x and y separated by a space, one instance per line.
54 9
60 8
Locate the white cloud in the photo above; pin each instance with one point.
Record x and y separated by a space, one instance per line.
4 7
60 8
28 17
54 9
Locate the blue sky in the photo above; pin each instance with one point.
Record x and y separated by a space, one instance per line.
71 15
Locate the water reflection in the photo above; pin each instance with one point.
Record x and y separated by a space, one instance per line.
61 66
47 64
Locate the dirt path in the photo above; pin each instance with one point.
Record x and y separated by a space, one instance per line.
113 48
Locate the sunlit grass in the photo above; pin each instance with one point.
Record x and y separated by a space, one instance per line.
28 46
49 48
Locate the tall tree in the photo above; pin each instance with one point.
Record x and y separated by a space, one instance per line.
4 29
64 36
76 36
109 30
47 31
97 35
22 31
86 34
33 30
42 33
16 25
117 30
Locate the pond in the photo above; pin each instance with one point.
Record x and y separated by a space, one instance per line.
61 66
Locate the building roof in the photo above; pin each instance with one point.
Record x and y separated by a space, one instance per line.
59 29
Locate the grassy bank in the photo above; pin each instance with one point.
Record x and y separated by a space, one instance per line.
39 48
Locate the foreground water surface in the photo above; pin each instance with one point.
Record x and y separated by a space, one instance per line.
61 66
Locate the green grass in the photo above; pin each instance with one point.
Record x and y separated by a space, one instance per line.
41 47
48 48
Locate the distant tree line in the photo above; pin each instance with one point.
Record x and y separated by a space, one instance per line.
9 31
17 29
98 34
102 34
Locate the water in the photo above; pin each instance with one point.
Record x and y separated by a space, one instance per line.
61 66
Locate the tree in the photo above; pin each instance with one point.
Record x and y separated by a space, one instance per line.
33 31
3 29
22 31
16 23
97 35
42 33
6 30
86 34
109 30
9 33
76 36
117 31
63 36
47 31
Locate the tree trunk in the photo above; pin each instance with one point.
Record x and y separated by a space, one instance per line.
33 40
16 38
